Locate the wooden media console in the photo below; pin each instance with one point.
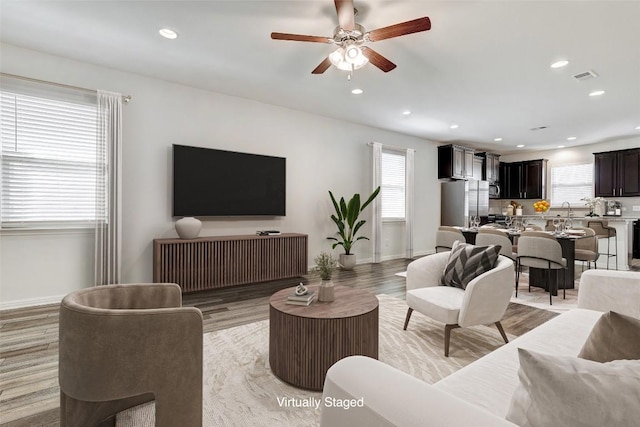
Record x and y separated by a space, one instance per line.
223 261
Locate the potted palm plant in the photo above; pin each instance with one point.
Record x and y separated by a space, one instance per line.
325 264
346 219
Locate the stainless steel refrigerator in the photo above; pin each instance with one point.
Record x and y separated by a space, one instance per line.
460 199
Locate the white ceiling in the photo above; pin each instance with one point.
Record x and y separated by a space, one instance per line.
483 65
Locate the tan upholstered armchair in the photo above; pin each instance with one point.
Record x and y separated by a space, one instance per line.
122 345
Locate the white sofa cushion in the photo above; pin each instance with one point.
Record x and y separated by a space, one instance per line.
441 303
609 290
491 381
390 397
614 337
569 391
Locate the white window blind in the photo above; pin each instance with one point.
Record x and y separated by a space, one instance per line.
392 189
49 161
571 183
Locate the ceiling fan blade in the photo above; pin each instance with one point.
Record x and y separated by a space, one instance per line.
346 16
300 38
409 27
324 65
378 60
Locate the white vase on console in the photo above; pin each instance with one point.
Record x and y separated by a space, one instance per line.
188 227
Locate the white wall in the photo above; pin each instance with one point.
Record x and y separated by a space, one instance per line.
322 154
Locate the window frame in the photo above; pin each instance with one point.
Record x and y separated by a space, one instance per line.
552 185
39 165
398 153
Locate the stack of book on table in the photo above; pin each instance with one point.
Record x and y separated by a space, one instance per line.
305 299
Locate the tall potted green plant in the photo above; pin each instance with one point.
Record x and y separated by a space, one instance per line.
346 219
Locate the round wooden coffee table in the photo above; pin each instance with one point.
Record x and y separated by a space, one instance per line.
304 341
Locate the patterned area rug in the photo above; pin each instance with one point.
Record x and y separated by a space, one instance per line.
240 390
539 298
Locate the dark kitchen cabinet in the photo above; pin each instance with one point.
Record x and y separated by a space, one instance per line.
455 161
523 180
617 173
490 167
534 179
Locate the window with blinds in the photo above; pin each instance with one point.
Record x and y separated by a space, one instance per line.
392 188
48 157
571 183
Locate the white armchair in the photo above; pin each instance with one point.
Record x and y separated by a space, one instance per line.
484 301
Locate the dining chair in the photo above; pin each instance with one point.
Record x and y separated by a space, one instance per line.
445 236
587 247
535 231
537 249
488 236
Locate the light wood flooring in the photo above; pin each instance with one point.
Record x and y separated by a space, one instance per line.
29 394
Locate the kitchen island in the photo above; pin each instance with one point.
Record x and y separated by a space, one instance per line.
623 226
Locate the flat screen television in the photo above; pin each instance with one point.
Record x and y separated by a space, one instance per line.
209 182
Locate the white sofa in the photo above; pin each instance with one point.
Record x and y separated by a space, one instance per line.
480 393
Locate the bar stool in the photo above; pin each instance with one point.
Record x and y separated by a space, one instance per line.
603 231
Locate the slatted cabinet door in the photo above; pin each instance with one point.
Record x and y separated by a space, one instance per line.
222 261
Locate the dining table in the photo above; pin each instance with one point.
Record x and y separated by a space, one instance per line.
537 276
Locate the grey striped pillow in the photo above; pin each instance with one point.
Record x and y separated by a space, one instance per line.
466 262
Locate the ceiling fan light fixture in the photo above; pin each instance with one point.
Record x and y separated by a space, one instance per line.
337 57
348 58
352 54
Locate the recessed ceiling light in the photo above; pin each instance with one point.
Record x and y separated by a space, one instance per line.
168 33
637 127
560 146
454 126
357 91
571 138
497 139
406 112
520 146
560 64
597 93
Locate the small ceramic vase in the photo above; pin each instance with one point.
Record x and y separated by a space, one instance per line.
326 292
188 227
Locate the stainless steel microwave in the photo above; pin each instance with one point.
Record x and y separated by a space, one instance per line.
494 191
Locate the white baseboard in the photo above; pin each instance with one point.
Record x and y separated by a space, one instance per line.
31 302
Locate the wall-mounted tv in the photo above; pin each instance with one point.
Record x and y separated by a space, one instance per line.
209 182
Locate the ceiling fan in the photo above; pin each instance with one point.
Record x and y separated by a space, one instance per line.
351 37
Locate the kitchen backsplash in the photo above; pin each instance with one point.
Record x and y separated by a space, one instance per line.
628 203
